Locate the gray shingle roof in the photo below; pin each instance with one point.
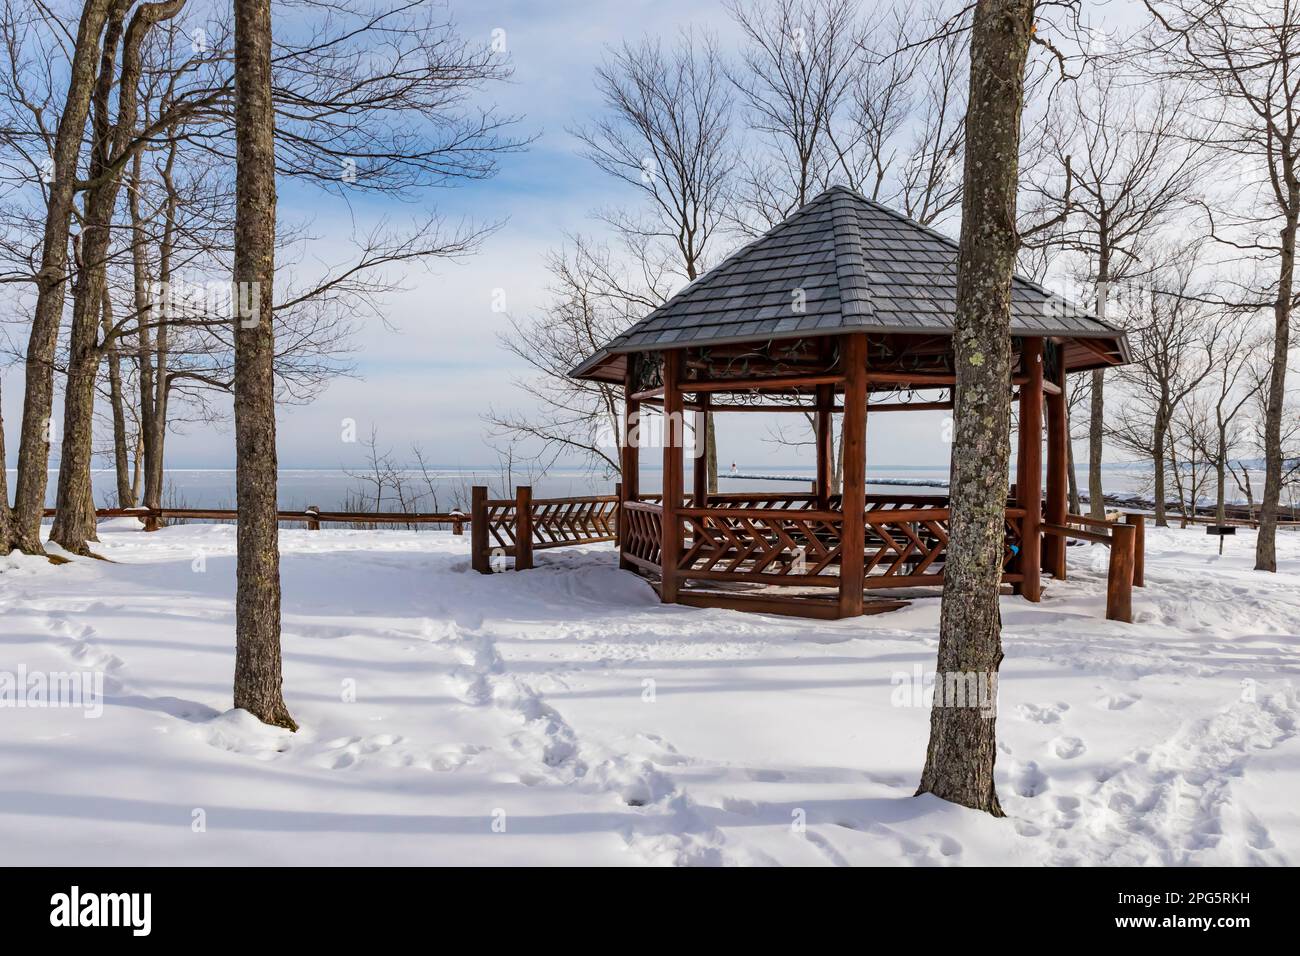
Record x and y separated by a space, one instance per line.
841 263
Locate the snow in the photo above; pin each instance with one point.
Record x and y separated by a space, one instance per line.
563 716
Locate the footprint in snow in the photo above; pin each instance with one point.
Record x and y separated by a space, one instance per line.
1067 748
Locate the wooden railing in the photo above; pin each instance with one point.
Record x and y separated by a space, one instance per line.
1127 567
794 544
311 516
517 527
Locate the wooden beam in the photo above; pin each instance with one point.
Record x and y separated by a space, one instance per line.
1058 459
852 527
700 463
523 528
753 384
825 444
1119 578
1029 469
910 407
671 535
630 458
911 378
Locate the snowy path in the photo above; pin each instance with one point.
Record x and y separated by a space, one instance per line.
562 716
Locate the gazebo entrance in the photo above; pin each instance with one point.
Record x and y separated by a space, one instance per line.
843 301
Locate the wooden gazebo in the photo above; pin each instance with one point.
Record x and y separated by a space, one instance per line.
844 300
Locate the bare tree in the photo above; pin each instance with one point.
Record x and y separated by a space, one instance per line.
74 522
666 131
1131 167
903 132
1243 57
258 680
594 297
963 740
1173 337
796 74
1232 389
33 449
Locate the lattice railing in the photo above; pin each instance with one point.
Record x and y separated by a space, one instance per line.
904 545
516 528
561 521
765 545
642 534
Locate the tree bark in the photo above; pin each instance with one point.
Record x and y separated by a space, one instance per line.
117 404
1266 541
1159 445
258 681
711 451
6 515
1075 503
1097 411
963 742
74 524
38 397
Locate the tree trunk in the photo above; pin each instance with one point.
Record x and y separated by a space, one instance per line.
74 524
1097 408
1075 504
1266 542
38 397
117 403
963 741
1159 441
258 681
1097 411
711 451
6 516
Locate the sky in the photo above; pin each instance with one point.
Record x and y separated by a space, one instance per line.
434 366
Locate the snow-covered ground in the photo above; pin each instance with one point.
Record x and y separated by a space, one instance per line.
561 715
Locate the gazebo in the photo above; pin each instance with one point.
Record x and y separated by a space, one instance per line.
844 300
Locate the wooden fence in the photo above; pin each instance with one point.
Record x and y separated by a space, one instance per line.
776 539
1127 542
311 516
516 527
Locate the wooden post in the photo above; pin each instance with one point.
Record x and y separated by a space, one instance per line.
313 518
478 531
673 439
523 527
700 466
825 445
1119 579
1029 468
1139 523
1058 479
630 454
457 522
854 491
618 514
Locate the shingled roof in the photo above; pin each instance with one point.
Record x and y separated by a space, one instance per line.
859 266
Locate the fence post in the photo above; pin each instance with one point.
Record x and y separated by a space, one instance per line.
313 518
478 530
618 515
1119 580
1139 522
457 522
523 527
